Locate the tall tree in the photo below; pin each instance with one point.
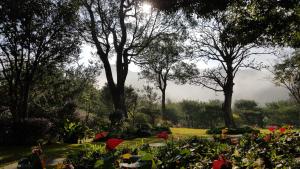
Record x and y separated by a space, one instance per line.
271 21
217 41
120 29
287 74
159 62
35 34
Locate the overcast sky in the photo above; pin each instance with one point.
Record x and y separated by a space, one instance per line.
249 84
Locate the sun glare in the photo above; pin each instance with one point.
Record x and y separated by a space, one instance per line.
146 7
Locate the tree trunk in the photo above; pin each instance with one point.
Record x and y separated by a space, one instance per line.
117 91
228 117
163 103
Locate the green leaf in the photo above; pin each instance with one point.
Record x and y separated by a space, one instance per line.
185 152
147 157
99 163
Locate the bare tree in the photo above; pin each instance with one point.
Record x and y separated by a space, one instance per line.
120 29
217 42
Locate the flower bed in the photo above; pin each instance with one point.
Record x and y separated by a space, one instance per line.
275 150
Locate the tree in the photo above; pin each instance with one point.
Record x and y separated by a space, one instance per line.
200 7
249 112
119 28
202 114
59 91
217 41
148 103
287 74
35 35
272 22
159 63
131 98
282 112
245 104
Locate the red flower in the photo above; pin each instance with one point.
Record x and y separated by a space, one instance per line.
272 129
282 130
217 164
112 143
163 135
100 135
221 162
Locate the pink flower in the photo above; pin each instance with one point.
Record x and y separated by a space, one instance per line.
112 143
100 135
163 135
282 130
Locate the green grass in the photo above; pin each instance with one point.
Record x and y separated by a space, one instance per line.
188 132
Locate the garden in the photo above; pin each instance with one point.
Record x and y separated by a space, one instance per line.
158 84
177 148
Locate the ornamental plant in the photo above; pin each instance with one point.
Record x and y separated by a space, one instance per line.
276 150
112 143
163 135
73 131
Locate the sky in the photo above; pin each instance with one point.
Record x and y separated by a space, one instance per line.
249 84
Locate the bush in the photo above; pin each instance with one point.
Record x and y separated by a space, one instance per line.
232 130
253 151
26 132
72 131
144 130
158 129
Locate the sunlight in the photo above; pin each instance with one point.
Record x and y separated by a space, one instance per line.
146 7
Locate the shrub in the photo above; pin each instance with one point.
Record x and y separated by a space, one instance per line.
232 130
26 132
253 151
72 131
158 129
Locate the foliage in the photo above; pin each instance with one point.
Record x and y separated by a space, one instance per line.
160 60
287 74
269 22
278 151
252 151
72 131
282 112
249 112
148 104
201 114
245 105
35 37
120 28
243 130
131 100
25 133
